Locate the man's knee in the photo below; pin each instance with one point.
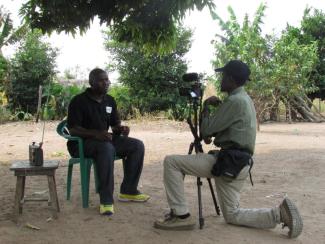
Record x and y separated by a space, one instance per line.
106 148
230 217
139 145
168 161
133 145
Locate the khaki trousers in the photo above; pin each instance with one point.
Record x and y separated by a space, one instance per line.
228 190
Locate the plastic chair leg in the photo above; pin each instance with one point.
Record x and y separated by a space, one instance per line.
84 183
96 178
88 175
69 179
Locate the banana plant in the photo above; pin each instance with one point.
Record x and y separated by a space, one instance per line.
8 34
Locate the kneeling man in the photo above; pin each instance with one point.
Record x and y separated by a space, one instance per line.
233 125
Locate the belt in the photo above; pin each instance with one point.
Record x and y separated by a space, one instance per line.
238 149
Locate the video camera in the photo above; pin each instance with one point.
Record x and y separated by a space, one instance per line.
194 90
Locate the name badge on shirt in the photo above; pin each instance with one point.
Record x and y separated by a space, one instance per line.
108 109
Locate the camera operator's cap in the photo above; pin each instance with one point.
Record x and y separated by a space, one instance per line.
237 69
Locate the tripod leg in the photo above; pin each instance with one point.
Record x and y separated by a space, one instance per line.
201 219
214 197
190 150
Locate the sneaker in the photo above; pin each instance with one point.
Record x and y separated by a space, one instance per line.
290 218
140 197
173 222
106 209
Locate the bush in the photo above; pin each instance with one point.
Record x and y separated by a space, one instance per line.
123 99
56 100
5 114
4 68
31 66
21 115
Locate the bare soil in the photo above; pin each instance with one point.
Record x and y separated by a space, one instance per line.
289 160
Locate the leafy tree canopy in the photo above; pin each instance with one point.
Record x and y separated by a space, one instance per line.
152 79
149 23
280 68
31 66
312 30
8 34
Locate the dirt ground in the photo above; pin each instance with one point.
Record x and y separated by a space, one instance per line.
289 160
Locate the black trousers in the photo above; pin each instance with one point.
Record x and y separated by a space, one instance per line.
103 152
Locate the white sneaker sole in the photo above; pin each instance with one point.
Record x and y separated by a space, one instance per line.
131 200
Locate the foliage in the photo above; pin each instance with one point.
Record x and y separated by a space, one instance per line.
21 115
152 79
292 64
246 43
147 23
4 114
57 98
8 34
123 99
280 68
312 31
4 71
31 66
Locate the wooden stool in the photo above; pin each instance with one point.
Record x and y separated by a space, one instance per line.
23 169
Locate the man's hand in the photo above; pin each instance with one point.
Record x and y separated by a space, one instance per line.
207 140
213 100
125 130
103 135
121 130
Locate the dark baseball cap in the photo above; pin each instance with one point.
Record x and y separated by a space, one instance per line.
236 69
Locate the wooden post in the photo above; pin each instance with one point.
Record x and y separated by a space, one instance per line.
39 102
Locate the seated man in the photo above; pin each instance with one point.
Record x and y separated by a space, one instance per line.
234 127
90 115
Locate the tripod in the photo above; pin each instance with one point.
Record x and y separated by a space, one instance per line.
197 146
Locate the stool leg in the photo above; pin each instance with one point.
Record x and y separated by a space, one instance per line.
56 195
53 195
22 195
19 195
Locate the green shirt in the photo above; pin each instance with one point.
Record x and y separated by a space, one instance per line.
234 123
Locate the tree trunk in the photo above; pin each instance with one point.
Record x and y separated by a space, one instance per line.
303 107
289 112
274 112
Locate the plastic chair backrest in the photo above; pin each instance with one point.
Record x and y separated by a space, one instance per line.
63 131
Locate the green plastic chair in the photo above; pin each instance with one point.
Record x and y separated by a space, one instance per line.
85 165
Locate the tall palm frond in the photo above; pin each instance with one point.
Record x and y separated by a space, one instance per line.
225 26
246 23
8 34
259 14
234 26
5 29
